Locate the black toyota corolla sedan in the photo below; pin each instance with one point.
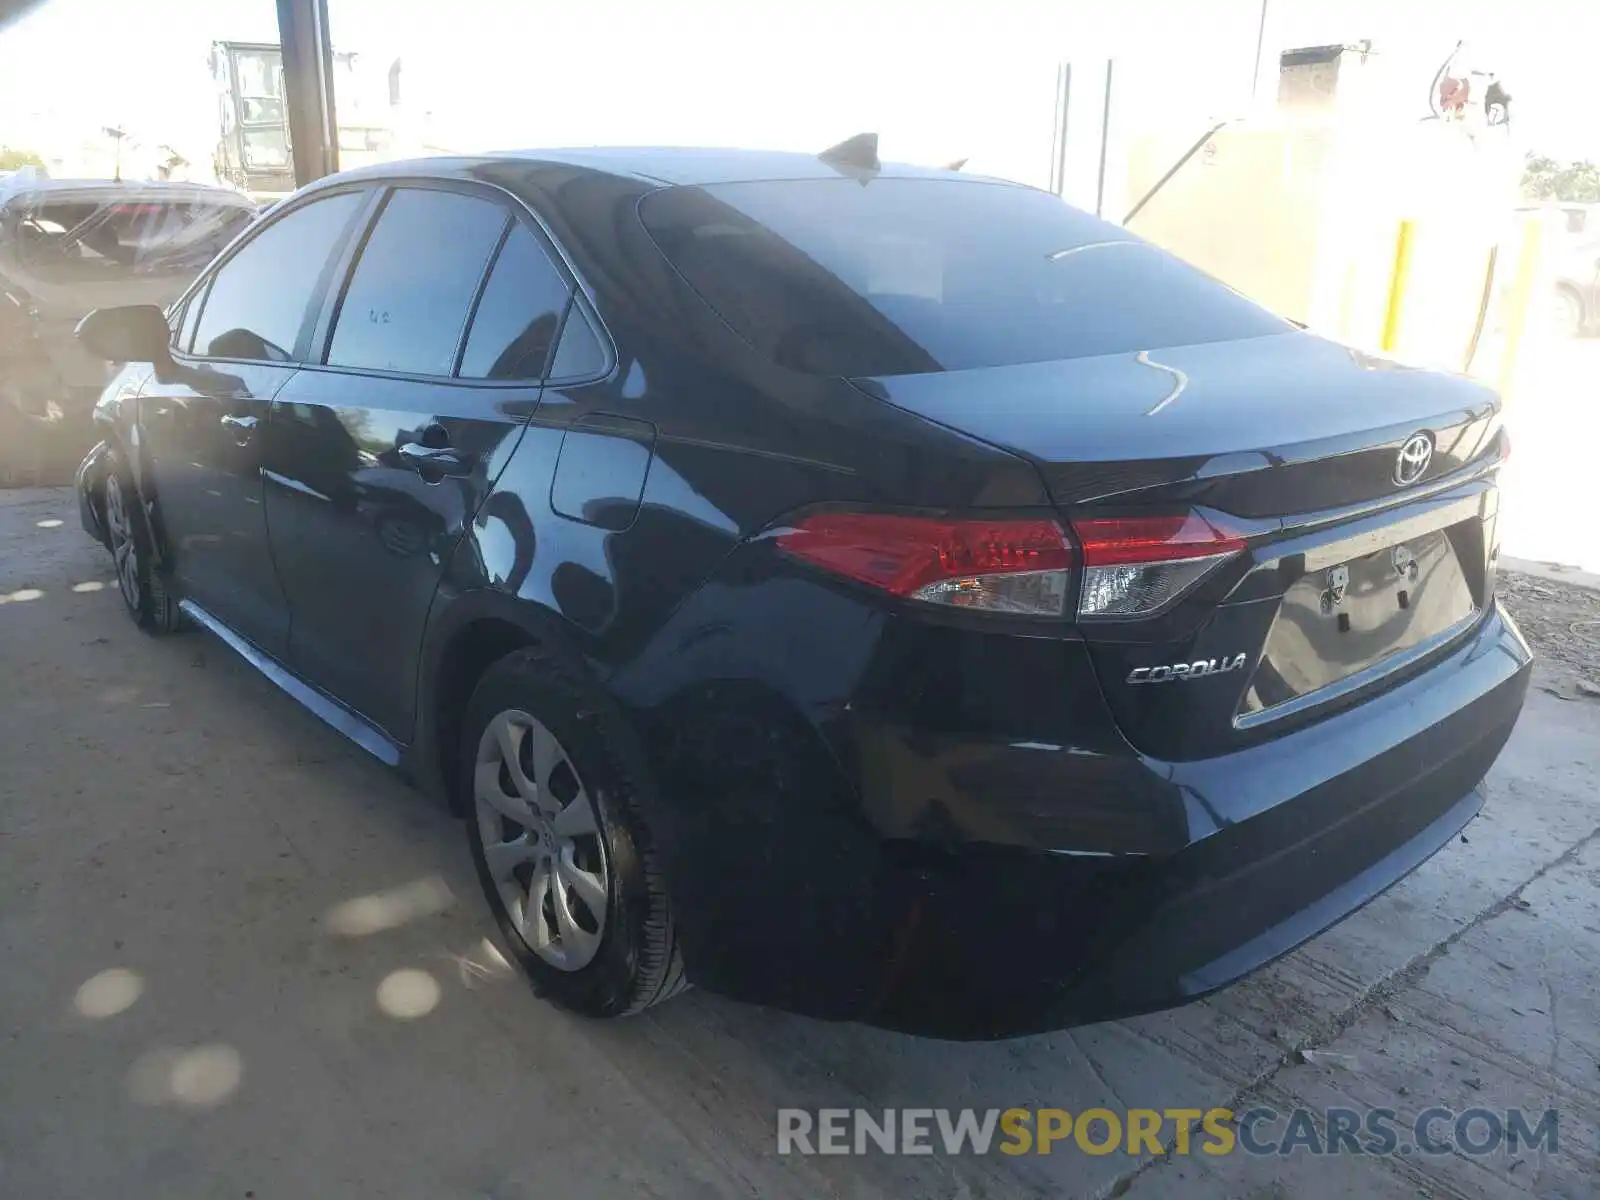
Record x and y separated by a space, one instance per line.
875 592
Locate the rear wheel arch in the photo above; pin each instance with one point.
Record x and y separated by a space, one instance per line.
462 662
475 631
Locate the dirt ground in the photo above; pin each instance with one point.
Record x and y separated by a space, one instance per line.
1562 623
240 959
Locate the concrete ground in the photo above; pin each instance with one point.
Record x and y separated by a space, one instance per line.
240 959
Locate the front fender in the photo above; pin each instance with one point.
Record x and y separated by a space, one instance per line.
116 420
90 481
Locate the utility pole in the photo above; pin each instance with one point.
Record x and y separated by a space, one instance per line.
116 133
308 88
1105 138
1058 141
1261 38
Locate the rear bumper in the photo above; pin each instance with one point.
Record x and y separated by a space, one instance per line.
941 831
1305 830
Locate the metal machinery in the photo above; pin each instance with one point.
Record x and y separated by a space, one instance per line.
258 89
1352 206
253 149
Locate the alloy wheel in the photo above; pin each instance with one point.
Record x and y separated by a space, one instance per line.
124 550
541 841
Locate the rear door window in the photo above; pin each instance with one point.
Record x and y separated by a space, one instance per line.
518 315
259 300
407 302
901 276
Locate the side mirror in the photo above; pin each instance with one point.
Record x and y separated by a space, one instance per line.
134 333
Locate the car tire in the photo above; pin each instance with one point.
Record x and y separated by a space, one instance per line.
144 589
562 849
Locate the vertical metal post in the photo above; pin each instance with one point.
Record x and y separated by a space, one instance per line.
1055 134
1261 39
1058 178
1524 286
1399 285
308 87
1105 138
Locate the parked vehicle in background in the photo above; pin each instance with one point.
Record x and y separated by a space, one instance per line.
68 247
1577 288
874 592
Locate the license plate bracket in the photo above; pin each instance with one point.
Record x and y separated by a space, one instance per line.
1352 616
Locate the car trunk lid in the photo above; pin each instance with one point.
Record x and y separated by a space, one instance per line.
1356 567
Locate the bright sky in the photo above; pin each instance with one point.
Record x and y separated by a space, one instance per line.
938 80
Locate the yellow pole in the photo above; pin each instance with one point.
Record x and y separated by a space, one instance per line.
1522 286
1399 282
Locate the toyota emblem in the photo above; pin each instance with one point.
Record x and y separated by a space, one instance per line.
1412 462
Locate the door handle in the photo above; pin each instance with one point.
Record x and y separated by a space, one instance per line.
244 428
432 460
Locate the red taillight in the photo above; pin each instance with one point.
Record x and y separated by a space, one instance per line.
1111 541
1137 566
1132 566
1015 565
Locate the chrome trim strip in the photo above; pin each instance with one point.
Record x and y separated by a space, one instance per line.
364 734
1359 544
1471 473
1353 683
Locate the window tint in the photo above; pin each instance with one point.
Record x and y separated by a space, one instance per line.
407 302
579 354
517 318
259 299
910 275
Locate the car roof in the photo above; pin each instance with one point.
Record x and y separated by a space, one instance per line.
115 191
662 165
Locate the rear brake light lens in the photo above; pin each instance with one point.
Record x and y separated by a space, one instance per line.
1020 566
1136 566
1132 566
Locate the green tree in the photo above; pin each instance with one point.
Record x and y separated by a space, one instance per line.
11 159
1544 178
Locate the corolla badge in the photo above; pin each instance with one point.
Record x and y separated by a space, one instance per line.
1412 462
1198 669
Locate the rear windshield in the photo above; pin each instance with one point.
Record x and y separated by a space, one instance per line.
70 241
905 276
